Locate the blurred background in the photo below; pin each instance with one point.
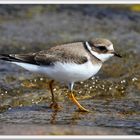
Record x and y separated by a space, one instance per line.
113 94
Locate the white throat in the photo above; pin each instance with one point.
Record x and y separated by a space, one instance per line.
102 57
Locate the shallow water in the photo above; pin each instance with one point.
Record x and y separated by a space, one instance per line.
113 95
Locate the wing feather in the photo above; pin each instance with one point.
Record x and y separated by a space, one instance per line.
65 53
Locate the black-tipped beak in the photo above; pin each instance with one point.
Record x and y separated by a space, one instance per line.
116 54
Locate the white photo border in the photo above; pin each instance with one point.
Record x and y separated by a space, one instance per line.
69 1
69 137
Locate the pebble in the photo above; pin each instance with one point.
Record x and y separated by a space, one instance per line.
134 79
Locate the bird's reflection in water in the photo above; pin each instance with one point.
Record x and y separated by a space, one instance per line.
53 117
66 118
77 116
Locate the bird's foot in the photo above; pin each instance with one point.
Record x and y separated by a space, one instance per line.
82 109
55 106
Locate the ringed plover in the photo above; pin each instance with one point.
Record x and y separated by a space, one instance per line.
67 63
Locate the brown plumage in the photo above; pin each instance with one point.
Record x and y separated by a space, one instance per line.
71 52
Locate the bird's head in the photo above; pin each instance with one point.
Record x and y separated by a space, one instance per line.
101 48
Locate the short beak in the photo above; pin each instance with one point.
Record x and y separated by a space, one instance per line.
116 54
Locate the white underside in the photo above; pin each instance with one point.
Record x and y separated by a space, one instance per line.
65 72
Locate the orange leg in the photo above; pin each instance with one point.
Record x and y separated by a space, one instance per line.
54 104
73 99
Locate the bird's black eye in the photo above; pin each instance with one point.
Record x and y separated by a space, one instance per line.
102 48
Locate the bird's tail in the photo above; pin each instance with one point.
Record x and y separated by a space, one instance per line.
22 58
7 57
